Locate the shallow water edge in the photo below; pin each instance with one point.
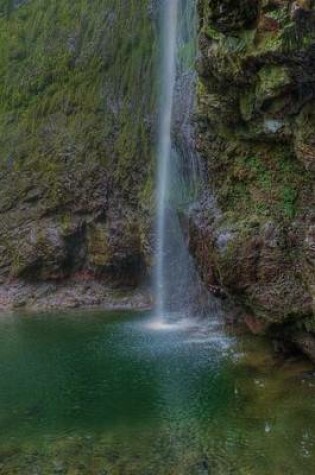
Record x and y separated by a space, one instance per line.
84 294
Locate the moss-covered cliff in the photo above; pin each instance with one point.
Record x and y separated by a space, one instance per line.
76 102
257 135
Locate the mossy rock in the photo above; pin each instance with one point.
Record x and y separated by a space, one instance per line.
273 80
256 136
98 244
114 249
75 133
38 253
305 136
231 15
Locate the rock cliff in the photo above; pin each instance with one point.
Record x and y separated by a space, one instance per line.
75 141
256 134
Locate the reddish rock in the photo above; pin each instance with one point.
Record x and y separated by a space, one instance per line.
256 326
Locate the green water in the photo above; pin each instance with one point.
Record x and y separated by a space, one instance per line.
100 393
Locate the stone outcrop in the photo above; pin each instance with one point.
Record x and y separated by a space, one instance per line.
256 134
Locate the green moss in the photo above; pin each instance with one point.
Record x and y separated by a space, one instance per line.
289 197
65 222
98 245
272 80
213 33
67 76
264 184
247 104
309 324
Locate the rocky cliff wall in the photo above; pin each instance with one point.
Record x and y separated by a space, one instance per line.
76 104
256 134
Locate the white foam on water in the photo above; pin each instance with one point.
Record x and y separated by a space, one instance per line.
169 322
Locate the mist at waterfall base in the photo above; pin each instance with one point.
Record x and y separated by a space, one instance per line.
178 289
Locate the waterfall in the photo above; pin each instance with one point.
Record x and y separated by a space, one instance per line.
168 75
177 285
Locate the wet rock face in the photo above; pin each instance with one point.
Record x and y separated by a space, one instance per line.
114 250
232 15
255 265
88 230
256 133
49 253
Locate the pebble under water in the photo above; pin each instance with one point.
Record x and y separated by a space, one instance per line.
111 393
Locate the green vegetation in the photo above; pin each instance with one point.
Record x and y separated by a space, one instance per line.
77 97
266 184
75 83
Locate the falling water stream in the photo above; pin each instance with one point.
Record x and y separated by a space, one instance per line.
168 74
177 286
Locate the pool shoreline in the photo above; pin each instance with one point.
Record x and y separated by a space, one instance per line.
71 294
